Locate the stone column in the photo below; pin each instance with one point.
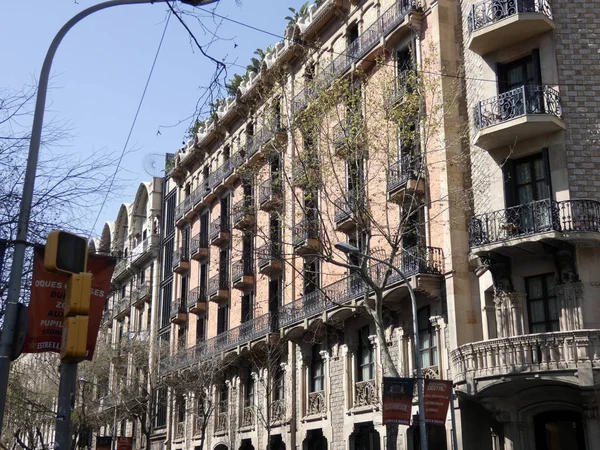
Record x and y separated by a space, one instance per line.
510 320
591 423
401 339
440 327
346 358
570 300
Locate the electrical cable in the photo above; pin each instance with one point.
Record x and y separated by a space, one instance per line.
137 112
315 47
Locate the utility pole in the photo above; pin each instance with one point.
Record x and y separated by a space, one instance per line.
14 287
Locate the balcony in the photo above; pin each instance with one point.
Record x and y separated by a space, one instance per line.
120 272
107 318
509 229
496 24
347 136
209 183
197 196
419 262
141 294
317 16
269 137
305 171
219 231
218 287
405 176
270 260
517 115
179 213
305 237
242 273
301 99
178 312
181 262
270 194
145 250
199 246
404 84
123 308
230 166
197 300
535 357
346 209
244 214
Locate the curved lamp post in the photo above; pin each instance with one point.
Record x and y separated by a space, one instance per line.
14 286
352 250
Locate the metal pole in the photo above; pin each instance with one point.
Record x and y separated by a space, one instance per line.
14 285
413 301
453 418
66 401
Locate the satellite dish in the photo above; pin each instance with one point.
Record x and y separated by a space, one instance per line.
152 164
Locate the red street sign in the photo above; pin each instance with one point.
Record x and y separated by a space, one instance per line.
436 398
47 303
397 400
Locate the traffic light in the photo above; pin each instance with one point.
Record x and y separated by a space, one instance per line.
77 300
74 339
65 253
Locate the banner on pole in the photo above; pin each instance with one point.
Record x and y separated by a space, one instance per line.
436 398
47 302
397 400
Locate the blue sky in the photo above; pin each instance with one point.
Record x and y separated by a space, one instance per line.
102 65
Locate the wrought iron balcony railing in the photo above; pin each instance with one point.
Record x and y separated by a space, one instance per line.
527 99
180 255
218 282
268 253
243 211
197 295
346 206
305 230
218 226
178 306
179 211
240 268
107 315
270 190
488 12
533 218
200 240
404 84
408 167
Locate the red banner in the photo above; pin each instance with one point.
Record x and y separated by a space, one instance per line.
397 400
124 443
436 398
46 305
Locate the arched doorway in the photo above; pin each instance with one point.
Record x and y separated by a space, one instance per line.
277 443
246 444
221 447
365 437
436 437
559 430
315 440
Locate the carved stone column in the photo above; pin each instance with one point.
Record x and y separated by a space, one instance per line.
590 418
439 324
510 319
401 339
570 300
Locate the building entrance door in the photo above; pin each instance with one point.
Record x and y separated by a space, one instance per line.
559 430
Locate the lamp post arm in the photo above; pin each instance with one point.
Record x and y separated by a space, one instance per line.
417 345
18 257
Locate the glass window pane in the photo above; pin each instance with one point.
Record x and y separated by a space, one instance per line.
537 311
535 288
538 328
524 194
425 359
523 173
424 341
553 310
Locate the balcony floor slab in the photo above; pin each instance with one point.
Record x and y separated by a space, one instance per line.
517 130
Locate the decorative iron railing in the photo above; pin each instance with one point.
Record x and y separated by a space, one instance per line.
404 84
533 218
316 403
218 226
180 255
268 253
198 193
107 315
346 206
218 282
306 229
527 99
488 12
241 209
242 267
269 190
365 393
124 305
197 295
177 307
408 167
179 211
200 240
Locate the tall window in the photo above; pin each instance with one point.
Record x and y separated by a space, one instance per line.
247 302
249 392
527 180
427 339
224 399
365 360
524 71
279 384
222 318
180 409
200 329
311 275
542 303
317 370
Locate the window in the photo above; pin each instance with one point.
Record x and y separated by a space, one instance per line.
247 302
522 72
224 399
404 59
365 360
274 295
317 370
527 179
200 329
181 337
411 235
222 319
279 384
311 275
542 303
249 392
427 339
180 409
161 407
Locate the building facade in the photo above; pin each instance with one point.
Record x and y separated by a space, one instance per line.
451 139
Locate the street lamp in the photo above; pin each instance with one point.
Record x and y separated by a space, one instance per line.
352 250
18 257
